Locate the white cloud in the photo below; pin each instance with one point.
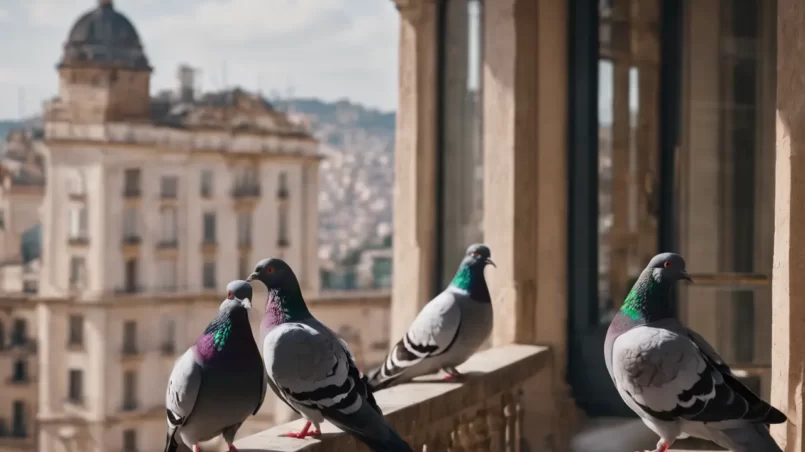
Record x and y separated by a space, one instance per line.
51 12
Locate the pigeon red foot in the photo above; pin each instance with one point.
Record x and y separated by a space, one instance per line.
304 433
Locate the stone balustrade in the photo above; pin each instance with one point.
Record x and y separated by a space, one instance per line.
483 413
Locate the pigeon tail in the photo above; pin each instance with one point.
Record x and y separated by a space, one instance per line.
370 428
377 381
752 438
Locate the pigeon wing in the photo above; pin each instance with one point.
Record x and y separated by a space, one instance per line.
669 377
432 333
183 388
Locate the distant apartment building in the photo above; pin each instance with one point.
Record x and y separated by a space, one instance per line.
151 206
21 193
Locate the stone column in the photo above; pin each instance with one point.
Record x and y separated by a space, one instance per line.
525 194
415 164
788 285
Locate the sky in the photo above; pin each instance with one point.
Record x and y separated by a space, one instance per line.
330 49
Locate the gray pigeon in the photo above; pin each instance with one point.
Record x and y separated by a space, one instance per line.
448 330
672 378
220 381
310 368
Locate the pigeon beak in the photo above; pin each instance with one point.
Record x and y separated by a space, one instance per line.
489 261
686 276
252 277
246 303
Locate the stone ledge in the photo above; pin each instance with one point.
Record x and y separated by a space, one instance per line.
427 407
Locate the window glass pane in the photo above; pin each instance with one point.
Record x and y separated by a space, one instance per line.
628 148
461 174
726 189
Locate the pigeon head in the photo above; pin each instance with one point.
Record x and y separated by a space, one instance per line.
230 329
470 274
668 268
274 273
238 292
478 256
285 302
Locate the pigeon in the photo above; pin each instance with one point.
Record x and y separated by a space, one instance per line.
311 369
220 380
672 378
448 330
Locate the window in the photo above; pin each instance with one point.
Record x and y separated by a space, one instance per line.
18 427
282 230
75 386
20 372
3 336
244 229
208 275
132 181
167 274
169 186
130 440
209 227
78 271
460 150
169 226
78 223
282 185
129 337
130 216
129 390
206 183
130 283
19 334
75 335
2 220
244 265
169 339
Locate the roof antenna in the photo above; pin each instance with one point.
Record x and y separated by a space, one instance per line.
103 3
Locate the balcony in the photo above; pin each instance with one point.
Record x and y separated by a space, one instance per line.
483 413
167 249
132 192
209 247
245 197
130 246
78 241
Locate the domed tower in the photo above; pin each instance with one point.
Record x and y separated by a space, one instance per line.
104 74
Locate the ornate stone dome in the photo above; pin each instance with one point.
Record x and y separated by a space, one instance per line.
104 38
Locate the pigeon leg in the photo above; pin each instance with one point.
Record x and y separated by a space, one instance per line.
232 448
662 446
196 448
452 374
304 433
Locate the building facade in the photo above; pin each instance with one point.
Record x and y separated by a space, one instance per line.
152 205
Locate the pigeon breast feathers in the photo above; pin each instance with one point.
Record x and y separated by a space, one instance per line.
670 376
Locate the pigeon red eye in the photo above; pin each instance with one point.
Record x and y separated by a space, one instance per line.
229 295
667 264
270 270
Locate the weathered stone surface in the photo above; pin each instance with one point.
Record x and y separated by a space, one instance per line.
483 413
